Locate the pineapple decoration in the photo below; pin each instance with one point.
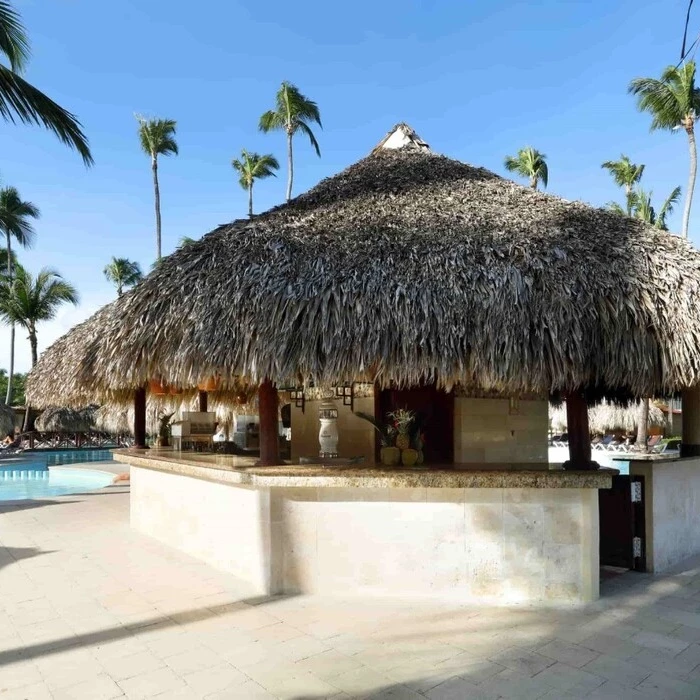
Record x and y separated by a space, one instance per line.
403 423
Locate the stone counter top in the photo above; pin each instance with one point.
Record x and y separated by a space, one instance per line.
234 469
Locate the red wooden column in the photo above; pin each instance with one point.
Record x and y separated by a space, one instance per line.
203 401
269 424
690 402
579 434
140 418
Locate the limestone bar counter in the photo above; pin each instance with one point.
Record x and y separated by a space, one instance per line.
483 533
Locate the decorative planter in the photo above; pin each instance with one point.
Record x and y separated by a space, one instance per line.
409 457
390 456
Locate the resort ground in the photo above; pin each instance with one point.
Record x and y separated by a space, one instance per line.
90 609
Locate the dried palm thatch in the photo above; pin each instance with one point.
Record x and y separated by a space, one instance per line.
7 420
407 266
606 416
64 419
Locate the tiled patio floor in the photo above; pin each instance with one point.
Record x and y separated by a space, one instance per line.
90 609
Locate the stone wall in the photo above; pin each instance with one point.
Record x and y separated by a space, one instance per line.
500 430
496 545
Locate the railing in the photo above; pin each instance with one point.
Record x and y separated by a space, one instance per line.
53 440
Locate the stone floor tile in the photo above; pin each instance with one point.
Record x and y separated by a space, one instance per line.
667 687
658 661
99 688
215 678
16 675
360 681
294 686
151 683
567 678
523 661
194 659
614 691
328 664
125 667
460 689
660 642
35 691
515 684
249 690
624 673
610 645
397 692
570 654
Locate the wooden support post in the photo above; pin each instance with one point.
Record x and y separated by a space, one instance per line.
690 398
203 401
140 418
269 424
579 434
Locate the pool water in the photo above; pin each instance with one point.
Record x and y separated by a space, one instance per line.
57 457
22 479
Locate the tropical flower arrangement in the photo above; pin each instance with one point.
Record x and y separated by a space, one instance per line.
401 437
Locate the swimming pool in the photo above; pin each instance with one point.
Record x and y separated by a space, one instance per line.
55 458
21 479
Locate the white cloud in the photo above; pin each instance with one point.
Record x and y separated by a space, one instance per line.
67 317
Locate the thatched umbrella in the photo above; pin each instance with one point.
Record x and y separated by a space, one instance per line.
606 416
7 420
63 419
405 267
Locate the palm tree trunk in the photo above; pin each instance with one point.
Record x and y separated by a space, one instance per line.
119 289
250 199
156 189
642 423
691 179
33 344
290 166
8 394
533 183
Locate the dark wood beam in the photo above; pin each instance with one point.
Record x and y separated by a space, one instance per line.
269 424
579 433
140 418
203 401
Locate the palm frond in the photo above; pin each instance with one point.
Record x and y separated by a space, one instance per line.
21 101
14 42
667 208
14 216
157 136
271 121
302 126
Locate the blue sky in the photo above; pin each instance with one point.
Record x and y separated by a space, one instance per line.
477 79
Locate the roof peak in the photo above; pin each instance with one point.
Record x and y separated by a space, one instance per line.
401 136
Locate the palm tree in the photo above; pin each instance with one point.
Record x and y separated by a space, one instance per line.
673 102
15 215
19 100
122 272
157 138
643 209
30 300
529 163
293 112
252 167
626 174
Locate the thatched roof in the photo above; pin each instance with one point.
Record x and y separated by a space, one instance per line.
405 266
7 420
64 419
605 416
